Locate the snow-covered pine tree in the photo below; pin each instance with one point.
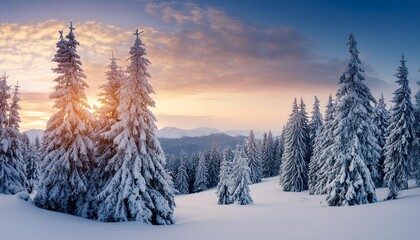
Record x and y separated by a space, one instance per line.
276 156
315 126
68 153
254 157
294 171
355 146
213 165
269 156
280 151
322 160
416 143
381 118
305 129
201 174
31 159
104 147
109 96
224 194
229 154
12 165
171 165
138 189
400 136
265 155
191 170
181 181
241 178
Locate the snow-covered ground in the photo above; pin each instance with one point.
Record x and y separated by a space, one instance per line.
274 215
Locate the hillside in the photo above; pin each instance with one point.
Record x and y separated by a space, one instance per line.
274 215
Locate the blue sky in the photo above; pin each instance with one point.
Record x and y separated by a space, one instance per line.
221 54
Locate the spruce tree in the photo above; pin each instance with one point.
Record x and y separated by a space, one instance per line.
68 153
280 150
315 126
201 174
305 130
400 136
254 158
138 189
276 156
12 166
172 163
294 171
321 160
213 165
355 146
191 170
181 181
265 156
241 178
224 186
381 118
269 156
416 143
31 160
104 147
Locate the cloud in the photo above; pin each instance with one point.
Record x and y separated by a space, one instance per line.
200 50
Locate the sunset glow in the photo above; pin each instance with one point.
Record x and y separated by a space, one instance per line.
211 65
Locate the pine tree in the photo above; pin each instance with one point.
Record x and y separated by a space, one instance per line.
315 126
254 157
181 181
355 146
241 178
172 163
191 170
104 147
201 174
68 155
400 136
268 156
322 161
280 150
276 156
223 192
381 118
305 130
138 189
31 160
416 143
12 165
213 166
265 155
294 171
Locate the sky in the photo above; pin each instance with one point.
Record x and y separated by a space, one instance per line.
234 64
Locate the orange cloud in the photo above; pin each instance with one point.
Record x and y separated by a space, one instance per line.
206 54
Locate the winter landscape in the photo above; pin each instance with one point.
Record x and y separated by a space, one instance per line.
209 120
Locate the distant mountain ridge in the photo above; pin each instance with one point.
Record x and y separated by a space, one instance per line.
200 139
202 143
174 132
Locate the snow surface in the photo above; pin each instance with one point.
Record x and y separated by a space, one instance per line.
274 215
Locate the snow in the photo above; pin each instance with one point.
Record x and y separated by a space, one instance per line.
274 215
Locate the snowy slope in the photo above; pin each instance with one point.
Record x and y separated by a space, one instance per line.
275 215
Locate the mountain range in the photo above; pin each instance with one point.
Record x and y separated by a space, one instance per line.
174 140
